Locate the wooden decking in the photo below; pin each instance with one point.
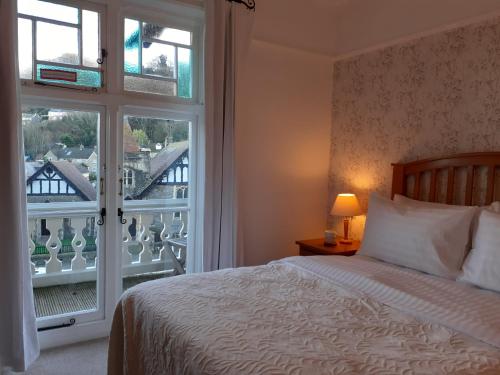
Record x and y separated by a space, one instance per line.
69 298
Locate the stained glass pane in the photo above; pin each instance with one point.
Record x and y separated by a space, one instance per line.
48 10
151 86
185 74
25 48
158 59
90 38
87 78
131 46
167 34
57 43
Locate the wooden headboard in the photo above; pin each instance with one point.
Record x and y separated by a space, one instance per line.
465 179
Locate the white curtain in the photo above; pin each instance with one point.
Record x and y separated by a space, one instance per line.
227 38
18 336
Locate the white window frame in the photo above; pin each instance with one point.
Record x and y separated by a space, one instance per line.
117 102
128 174
81 5
177 22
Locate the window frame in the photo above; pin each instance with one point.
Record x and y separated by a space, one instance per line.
102 43
177 22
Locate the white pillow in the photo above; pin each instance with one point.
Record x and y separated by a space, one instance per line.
426 239
495 207
401 199
482 266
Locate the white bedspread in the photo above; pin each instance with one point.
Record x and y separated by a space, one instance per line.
306 315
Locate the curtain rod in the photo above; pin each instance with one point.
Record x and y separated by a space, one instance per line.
250 4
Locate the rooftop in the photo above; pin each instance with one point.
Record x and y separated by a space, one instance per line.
73 152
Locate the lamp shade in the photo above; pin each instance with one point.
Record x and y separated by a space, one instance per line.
346 205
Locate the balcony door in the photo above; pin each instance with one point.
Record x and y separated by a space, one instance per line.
154 191
64 152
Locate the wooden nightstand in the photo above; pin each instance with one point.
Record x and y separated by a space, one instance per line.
317 247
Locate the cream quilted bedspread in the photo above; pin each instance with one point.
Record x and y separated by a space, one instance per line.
279 319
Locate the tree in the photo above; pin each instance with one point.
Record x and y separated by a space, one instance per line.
68 140
179 131
159 130
77 128
37 140
154 128
141 137
161 65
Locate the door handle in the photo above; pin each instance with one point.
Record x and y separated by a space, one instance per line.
102 214
121 187
120 216
101 187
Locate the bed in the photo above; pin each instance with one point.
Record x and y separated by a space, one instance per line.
321 315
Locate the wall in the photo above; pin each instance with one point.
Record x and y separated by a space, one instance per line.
434 96
306 25
283 149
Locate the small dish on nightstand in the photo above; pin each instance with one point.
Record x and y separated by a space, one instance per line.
317 247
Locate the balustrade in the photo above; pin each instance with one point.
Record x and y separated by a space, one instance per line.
62 245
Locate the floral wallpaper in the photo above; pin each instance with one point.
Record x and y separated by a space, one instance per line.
430 97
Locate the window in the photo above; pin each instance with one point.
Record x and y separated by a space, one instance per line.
82 215
181 192
128 178
157 59
59 44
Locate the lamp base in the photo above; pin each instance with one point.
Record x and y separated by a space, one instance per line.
346 242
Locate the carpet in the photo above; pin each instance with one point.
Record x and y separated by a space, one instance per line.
86 358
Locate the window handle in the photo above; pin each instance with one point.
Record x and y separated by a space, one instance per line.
104 54
120 216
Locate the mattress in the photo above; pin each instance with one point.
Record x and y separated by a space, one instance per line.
306 315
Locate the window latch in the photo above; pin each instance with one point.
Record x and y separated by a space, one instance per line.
104 54
102 214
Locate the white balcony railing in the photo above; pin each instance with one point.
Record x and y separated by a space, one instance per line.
64 245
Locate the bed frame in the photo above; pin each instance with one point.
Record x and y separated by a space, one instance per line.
443 179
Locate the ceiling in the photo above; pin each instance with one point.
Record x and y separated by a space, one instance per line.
340 27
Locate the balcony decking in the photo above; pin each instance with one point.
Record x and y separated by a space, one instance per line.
70 298
62 299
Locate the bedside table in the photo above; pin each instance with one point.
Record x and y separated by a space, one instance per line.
317 247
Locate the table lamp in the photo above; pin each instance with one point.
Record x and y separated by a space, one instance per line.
346 205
